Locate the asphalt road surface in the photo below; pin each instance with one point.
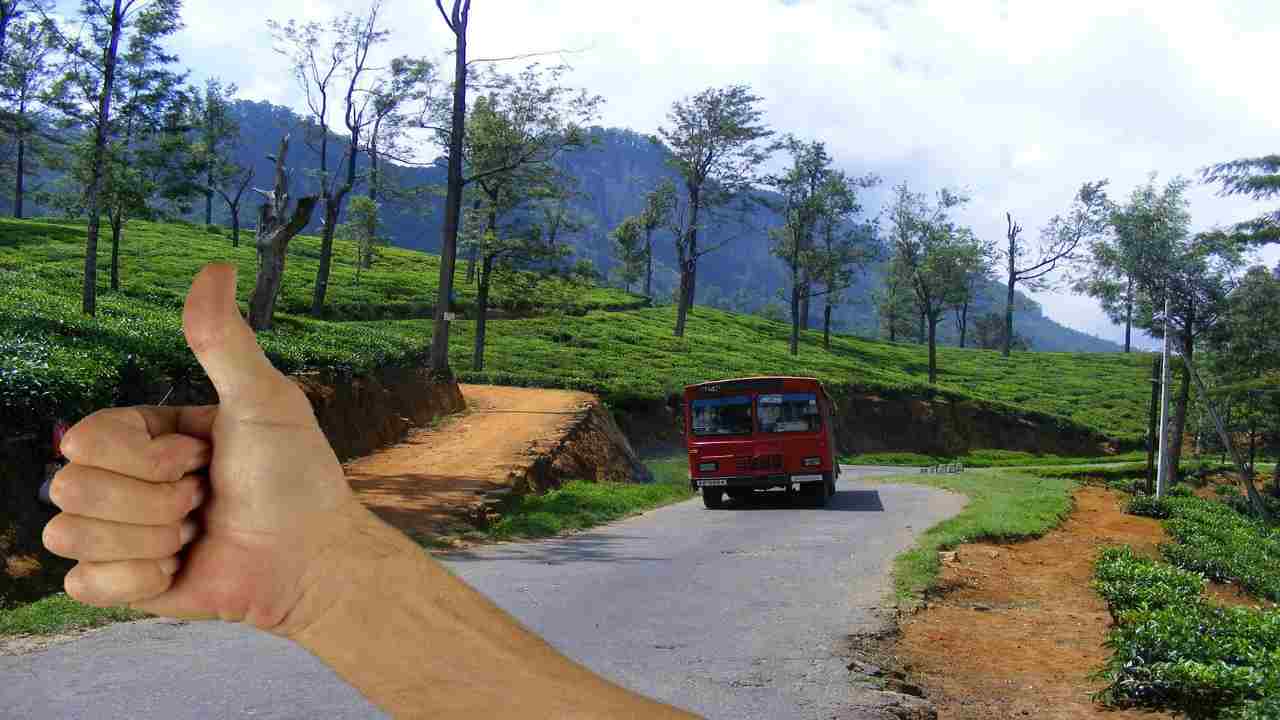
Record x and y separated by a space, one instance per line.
736 613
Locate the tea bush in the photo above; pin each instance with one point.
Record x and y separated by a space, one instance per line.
1128 582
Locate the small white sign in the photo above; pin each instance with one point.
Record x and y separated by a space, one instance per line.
450 316
713 482
770 399
806 478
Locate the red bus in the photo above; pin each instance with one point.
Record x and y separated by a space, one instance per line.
760 433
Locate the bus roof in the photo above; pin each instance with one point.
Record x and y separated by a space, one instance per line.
758 379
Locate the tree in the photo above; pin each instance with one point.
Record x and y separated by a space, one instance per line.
933 253
1194 272
362 228
457 21
320 55
1246 358
895 304
89 81
1257 178
409 82
1059 241
1116 258
629 247
217 134
815 199
231 188
715 141
277 225
514 134
975 273
988 334
658 205
25 76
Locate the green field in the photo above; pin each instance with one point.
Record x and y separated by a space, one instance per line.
988 457
55 362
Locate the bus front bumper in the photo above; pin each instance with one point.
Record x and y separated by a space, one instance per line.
758 482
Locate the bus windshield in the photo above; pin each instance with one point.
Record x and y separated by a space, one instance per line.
789 412
722 415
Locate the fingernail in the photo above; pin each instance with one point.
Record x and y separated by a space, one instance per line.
169 565
197 498
187 532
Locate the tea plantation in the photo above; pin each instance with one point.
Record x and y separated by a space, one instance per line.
54 362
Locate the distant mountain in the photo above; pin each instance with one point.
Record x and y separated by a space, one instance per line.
613 175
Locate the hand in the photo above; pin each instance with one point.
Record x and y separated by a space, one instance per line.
275 504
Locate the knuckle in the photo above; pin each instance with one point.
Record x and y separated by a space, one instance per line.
63 489
57 537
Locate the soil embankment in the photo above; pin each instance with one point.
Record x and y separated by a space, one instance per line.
1015 630
509 440
870 422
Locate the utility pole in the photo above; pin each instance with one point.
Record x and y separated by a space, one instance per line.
1153 413
1162 469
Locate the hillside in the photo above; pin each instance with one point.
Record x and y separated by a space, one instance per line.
612 176
55 362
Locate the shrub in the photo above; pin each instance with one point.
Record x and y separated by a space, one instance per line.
1130 583
1149 506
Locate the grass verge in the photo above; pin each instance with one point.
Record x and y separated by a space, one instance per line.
57 614
578 505
1004 505
985 458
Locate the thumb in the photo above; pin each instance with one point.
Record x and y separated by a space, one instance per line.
225 345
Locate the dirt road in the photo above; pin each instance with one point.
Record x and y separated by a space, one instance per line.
425 483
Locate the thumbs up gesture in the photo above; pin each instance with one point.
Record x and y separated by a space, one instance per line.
224 511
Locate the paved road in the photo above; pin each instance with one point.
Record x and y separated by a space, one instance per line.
732 614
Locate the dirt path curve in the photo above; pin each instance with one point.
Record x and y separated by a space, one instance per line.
425 483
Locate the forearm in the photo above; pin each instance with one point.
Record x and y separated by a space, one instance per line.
418 641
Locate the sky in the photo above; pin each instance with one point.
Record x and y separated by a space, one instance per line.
1018 103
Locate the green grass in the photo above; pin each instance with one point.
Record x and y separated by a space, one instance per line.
1004 505
56 363
158 261
984 458
59 613
578 505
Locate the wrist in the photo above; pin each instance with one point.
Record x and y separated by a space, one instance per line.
360 551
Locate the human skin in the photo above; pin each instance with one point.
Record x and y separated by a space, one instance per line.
240 511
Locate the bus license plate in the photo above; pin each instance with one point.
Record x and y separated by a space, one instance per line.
806 478
713 482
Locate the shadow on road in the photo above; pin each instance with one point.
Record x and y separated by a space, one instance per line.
846 500
586 547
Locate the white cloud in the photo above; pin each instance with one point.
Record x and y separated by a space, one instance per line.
1019 102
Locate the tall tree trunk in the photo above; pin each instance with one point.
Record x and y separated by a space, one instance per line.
1008 306
482 312
1128 314
806 284
648 263
682 304
453 194
1180 410
933 351
922 328
695 205
88 300
964 321
117 222
893 327
19 174
795 315
266 288
235 226
208 197
275 229
826 327
331 209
